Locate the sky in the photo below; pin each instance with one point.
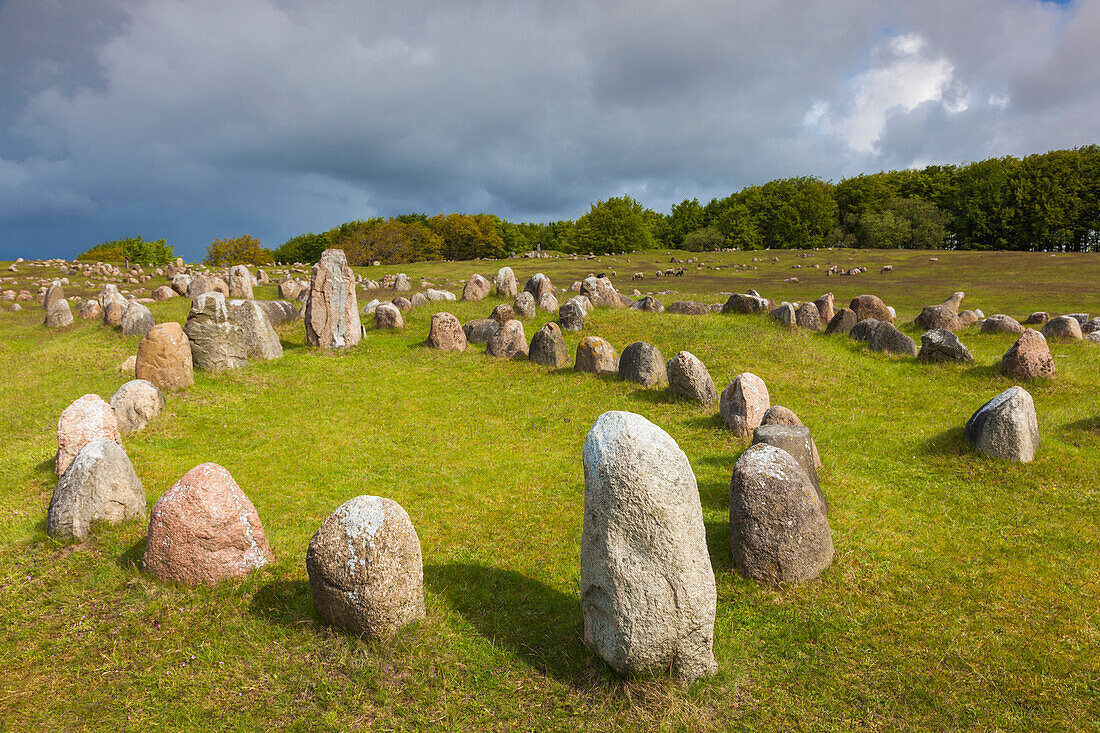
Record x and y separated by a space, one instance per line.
194 120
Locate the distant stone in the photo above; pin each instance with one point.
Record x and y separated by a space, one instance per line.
503 313
509 342
807 317
746 303
419 299
539 285
548 303
600 291
99 484
784 315
944 316
743 403
1091 326
260 339
548 347
181 283
1028 358
135 404
596 356
1037 318
842 322
365 567
480 330
571 316
204 530
1093 337
689 308
940 345
163 293
332 313
402 303
779 533
88 310
1081 318
648 593
217 343
1063 327
871 306
83 421
825 309
1006 427
59 315
688 378
240 282
369 308
1000 323
477 288
436 295
164 358
129 364
796 441
642 363
649 304
401 283
203 283
506 284
387 316
524 305
970 317
137 320
446 333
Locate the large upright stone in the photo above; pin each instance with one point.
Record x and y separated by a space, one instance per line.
332 313
600 291
744 402
445 333
548 347
260 339
99 484
217 343
539 285
164 358
477 288
571 316
807 317
108 294
509 342
642 363
779 533
1005 427
507 287
648 594
240 282
784 315
135 404
825 309
1028 358
842 322
871 306
366 572
204 529
137 319
596 356
688 378
524 305
86 419
548 303
797 441
59 315
54 293
288 289
387 316
181 283
944 316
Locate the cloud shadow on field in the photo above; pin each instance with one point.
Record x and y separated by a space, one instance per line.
288 603
535 621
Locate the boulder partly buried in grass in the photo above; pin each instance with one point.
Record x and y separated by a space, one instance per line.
509 342
1028 358
445 333
642 363
548 347
744 402
98 485
1005 427
939 345
135 404
688 378
596 356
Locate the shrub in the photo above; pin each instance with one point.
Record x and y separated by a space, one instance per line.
242 250
135 249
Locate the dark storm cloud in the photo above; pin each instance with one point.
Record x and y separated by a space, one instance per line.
194 120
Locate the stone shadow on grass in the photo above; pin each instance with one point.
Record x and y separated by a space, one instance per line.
538 623
950 442
131 559
1089 425
288 603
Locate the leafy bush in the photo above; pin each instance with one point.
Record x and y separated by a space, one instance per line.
303 248
706 239
135 249
242 250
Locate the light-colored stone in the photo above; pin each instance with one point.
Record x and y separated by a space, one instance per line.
596 356
509 342
688 378
332 313
257 332
240 282
137 320
871 306
1062 327
744 402
1005 427
135 404
476 288
446 333
387 316
507 287
164 358
86 419
217 343
59 315
99 484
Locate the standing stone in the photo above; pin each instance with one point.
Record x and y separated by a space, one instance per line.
181 283
842 322
871 306
509 342
779 533
164 358
825 309
807 317
1028 358
203 283
507 287
86 419
649 304
1005 427
548 303
88 310
596 356
503 313
744 402
600 291
135 404
366 572
688 378
1063 327
59 315
217 343
163 293
204 529
260 339
944 316
539 285
571 316
796 441
401 283
109 293
112 314
524 305
642 363
332 313
240 282
548 347
648 594
477 288
137 320
402 303
940 345
288 289
98 485
480 330
784 315
1000 323
54 294
446 333
387 316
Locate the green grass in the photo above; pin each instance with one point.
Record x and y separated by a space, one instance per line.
962 597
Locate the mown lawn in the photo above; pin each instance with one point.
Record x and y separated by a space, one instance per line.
963 594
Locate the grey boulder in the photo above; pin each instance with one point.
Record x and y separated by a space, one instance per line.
1005 427
135 404
98 485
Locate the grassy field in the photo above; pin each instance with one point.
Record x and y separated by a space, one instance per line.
963 595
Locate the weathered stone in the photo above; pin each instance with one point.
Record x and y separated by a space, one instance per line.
477 288
648 594
1079 317
1091 326
181 283
59 315
446 333
746 303
689 308
1028 358
825 309
548 303
1063 327
942 345
137 320
365 568
596 356
260 339
369 308
507 287
1037 318
240 282
842 322
524 305
88 309
642 363
54 293
402 303
864 330
584 303
502 314
164 358
970 317
163 293
1005 427
288 289
217 343
1093 337
887 338
204 530
1000 323
279 312
388 316
784 315
129 364
435 295
419 299
548 347
203 283
332 313
688 378
84 420
779 415
871 306
796 441
744 402
509 342
109 293
99 484
539 285
779 533
135 404
807 317
600 291
944 316
649 304
480 330
571 316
